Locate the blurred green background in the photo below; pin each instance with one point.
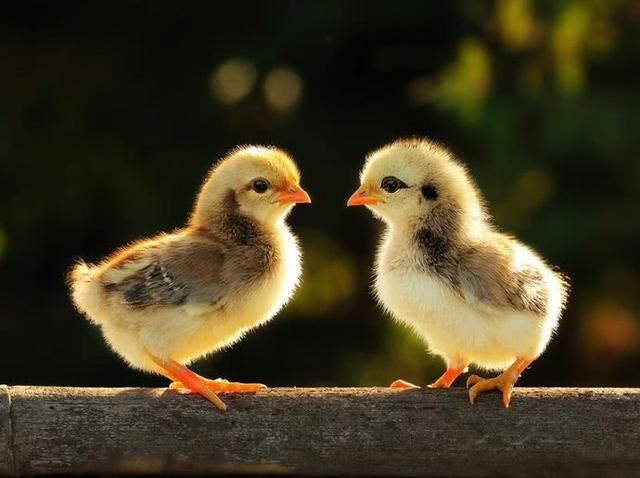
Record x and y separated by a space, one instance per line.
111 115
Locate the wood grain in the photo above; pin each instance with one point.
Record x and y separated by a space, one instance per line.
373 431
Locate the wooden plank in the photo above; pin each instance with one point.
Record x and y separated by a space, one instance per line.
373 431
6 447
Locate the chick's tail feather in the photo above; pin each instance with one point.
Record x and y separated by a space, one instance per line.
79 272
82 286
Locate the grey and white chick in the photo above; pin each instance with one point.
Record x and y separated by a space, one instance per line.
164 302
475 295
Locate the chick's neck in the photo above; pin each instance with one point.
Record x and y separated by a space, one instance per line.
444 223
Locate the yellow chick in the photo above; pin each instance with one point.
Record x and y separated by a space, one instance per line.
475 295
166 301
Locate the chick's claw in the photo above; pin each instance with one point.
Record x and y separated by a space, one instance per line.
180 388
221 385
473 379
502 382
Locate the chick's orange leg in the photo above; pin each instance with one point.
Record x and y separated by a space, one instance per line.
189 380
503 382
225 386
448 377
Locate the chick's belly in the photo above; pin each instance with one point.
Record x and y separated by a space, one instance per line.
491 342
187 338
187 333
457 331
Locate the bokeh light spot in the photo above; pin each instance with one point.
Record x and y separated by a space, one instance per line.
567 42
516 23
232 80
610 332
282 88
464 85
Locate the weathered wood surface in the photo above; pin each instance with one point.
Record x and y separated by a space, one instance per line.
6 444
374 431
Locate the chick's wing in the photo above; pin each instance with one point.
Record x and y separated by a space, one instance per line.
503 273
155 284
173 273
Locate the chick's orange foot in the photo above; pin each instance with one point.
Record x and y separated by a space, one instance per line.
221 385
479 385
189 380
503 382
402 385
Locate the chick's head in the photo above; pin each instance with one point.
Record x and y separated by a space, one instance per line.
261 182
409 181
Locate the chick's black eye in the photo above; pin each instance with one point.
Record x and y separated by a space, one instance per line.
260 185
391 184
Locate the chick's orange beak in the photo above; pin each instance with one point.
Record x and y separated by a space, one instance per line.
361 198
293 195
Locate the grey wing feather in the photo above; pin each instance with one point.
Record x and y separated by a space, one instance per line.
490 279
528 290
153 285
